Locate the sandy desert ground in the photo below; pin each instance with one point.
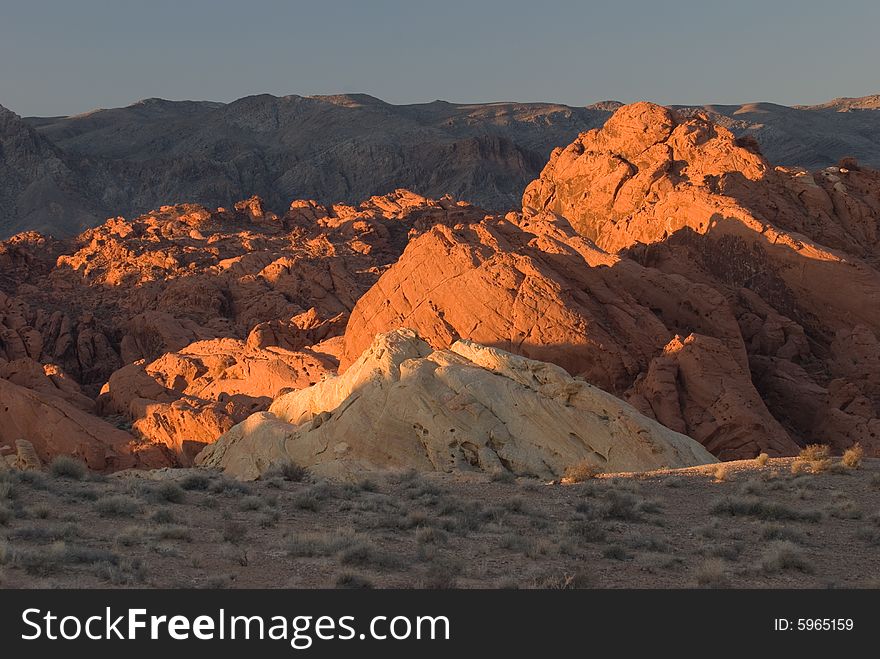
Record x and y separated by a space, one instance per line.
738 525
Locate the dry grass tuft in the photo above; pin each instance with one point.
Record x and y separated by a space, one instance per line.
66 466
721 472
852 457
580 472
762 459
814 459
711 574
785 555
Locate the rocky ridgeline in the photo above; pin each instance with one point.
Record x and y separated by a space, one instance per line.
659 258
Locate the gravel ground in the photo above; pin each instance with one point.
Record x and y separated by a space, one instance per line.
739 525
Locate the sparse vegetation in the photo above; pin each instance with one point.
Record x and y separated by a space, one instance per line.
503 476
711 573
66 466
233 532
117 505
250 503
762 459
721 472
411 530
616 553
166 492
755 507
564 581
785 555
814 458
580 472
199 482
352 581
288 471
852 457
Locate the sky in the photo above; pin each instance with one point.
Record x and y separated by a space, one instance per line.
64 57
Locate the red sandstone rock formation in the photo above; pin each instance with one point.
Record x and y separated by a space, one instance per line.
659 257
196 318
768 273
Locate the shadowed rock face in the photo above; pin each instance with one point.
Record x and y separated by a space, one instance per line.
468 408
332 149
727 274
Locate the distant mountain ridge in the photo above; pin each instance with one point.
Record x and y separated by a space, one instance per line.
60 175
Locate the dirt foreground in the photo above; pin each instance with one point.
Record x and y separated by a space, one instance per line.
741 524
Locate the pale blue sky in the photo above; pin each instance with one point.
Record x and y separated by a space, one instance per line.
68 57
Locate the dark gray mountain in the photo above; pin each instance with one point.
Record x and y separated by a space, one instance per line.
62 174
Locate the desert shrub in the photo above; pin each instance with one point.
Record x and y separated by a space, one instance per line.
401 476
845 509
174 532
754 487
441 574
349 580
130 536
852 457
40 511
233 532
226 485
44 533
729 550
564 581
431 536
814 452
779 532
50 559
785 555
163 516
710 529
869 535
192 482
616 552
581 471
288 471
268 519
673 481
307 501
364 553
623 506
367 485
586 531
7 553
754 507
712 574
117 505
814 458
643 542
250 503
515 505
515 542
166 492
126 572
318 544
762 459
66 466
503 476
721 472
7 490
